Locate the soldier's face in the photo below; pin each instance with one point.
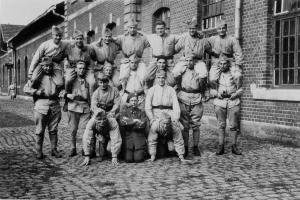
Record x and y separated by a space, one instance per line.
133 102
133 64
108 71
192 31
161 79
79 41
132 29
189 63
107 38
56 37
222 29
101 122
47 68
224 65
103 84
161 64
160 30
166 125
80 69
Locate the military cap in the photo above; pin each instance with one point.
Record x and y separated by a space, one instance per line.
46 60
131 95
192 23
132 21
56 30
80 62
99 114
221 23
102 77
77 33
134 58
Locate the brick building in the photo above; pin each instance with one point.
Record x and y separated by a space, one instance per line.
268 30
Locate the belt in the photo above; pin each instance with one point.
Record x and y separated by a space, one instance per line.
163 107
127 56
104 107
73 64
102 63
164 57
190 91
54 97
79 98
137 93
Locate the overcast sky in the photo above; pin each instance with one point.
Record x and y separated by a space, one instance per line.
23 11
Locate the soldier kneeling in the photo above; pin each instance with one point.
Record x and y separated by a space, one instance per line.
106 132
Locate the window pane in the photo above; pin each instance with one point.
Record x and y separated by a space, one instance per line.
293 4
292 27
277 25
205 11
298 59
299 42
210 10
292 43
291 76
285 44
276 60
277 77
277 45
278 6
218 8
299 76
285 27
285 77
213 10
285 60
291 65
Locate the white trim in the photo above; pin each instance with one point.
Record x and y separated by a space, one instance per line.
84 9
261 93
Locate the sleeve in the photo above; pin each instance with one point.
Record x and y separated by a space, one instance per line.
93 53
117 100
118 40
36 58
238 54
207 46
176 107
88 137
125 120
115 137
179 45
177 138
146 42
152 138
94 100
148 104
141 125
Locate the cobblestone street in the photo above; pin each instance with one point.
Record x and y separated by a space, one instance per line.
266 170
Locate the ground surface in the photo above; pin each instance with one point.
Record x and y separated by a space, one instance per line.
266 170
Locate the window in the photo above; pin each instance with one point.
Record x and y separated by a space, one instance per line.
18 72
285 6
162 14
286 43
212 11
25 67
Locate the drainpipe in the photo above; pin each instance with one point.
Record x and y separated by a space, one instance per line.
237 17
14 54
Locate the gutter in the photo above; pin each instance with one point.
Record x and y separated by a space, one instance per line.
237 21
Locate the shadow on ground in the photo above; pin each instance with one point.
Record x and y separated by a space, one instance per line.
8 119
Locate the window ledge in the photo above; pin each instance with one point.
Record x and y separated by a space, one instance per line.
260 93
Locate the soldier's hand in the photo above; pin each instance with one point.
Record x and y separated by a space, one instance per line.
219 95
152 159
40 92
233 96
70 96
86 161
114 161
111 115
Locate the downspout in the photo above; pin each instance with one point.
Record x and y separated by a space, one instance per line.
237 17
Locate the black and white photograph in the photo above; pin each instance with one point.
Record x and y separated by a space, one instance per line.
150 99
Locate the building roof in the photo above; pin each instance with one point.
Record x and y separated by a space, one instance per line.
52 16
10 30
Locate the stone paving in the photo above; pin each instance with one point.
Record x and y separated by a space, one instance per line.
266 170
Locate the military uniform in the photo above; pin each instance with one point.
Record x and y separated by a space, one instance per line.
133 133
47 110
190 101
78 109
159 100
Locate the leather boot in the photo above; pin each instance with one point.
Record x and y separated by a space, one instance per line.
39 146
73 152
235 150
196 151
220 150
186 151
73 144
53 140
93 148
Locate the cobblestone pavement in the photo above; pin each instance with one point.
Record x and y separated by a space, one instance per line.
266 170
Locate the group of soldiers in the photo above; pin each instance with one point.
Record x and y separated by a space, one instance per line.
133 110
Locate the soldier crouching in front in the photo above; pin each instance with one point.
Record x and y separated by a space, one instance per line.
133 123
106 132
47 110
162 109
227 103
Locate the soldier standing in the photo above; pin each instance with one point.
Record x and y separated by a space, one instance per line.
226 46
227 103
78 104
162 109
191 86
106 132
47 110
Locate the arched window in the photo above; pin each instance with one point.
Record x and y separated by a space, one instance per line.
26 67
162 14
18 72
